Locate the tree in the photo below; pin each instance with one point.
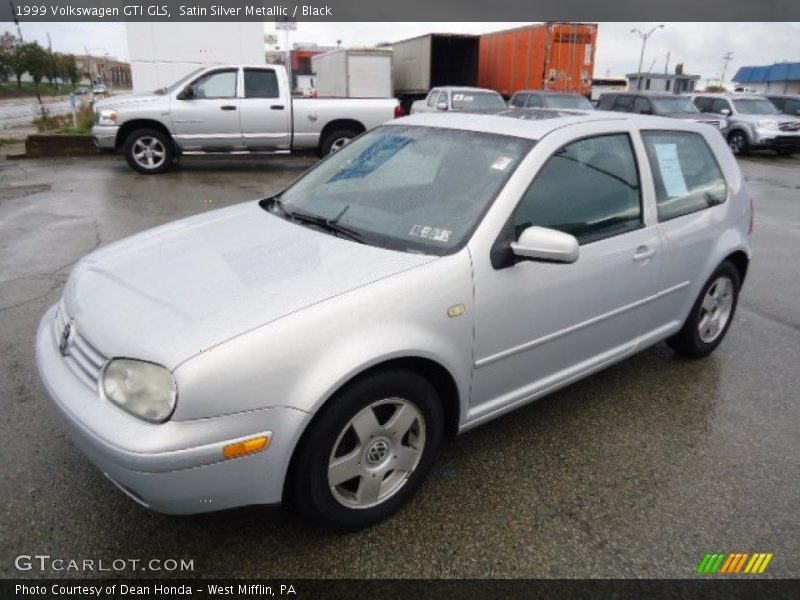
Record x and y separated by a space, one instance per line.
37 61
7 44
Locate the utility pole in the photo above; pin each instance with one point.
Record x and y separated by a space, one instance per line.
644 37
666 64
16 21
727 58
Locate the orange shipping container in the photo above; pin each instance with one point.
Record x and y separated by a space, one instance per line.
549 56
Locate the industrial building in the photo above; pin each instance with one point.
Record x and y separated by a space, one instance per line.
778 78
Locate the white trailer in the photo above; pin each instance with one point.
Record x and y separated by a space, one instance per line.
162 53
354 73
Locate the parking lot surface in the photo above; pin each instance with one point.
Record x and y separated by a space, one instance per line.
638 471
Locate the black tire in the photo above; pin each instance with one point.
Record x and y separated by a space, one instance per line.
688 342
332 140
162 151
738 143
308 489
785 151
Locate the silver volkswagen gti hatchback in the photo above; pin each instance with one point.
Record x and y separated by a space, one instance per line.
314 347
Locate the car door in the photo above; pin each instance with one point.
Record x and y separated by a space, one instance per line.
539 325
265 111
208 118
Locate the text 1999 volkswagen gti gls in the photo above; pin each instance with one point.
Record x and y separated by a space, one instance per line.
314 347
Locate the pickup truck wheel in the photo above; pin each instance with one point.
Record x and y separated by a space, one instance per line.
149 151
711 316
738 143
368 452
336 140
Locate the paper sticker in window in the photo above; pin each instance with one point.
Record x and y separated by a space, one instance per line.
501 163
670 168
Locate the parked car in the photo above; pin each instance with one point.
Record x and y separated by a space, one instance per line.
437 272
663 105
100 90
459 99
788 105
225 109
81 91
545 99
753 122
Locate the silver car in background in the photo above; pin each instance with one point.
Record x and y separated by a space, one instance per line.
753 123
459 98
314 347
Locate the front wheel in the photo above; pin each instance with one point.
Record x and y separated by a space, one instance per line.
711 315
336 140
368 451
739 145
149 151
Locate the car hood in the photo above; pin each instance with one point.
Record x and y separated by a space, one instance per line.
128 100
689 116
169 293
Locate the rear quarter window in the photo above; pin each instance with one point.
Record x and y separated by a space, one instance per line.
686 173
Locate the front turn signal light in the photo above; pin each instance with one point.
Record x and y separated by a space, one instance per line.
251 446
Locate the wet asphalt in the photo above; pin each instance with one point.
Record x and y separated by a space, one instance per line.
636 472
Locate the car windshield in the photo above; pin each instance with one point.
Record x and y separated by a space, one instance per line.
409 188
178 84
792 107
673 105
468 99
567 101
755 106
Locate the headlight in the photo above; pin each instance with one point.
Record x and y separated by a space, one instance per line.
144 389
107 116
768 124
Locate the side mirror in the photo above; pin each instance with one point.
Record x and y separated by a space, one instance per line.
540 243
441 106
725 112
186 93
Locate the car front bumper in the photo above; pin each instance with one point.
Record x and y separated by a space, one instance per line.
105 136
175 467
771 138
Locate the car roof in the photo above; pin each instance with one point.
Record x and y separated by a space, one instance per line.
530 123
737 96
463 88
549 93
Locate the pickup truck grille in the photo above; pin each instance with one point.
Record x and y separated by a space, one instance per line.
81 357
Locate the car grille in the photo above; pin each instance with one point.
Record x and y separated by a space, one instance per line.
81 357
789 126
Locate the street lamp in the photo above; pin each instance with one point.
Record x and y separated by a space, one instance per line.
644 37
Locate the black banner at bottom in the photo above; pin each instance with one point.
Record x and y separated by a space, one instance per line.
405 589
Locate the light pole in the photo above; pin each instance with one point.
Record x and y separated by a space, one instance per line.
644 37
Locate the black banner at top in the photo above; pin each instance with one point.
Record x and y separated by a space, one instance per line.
399 10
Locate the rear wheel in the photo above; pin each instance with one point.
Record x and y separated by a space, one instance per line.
336 140
711 315
149 151
368 451
738 143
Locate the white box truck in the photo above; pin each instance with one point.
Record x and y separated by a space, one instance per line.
354 73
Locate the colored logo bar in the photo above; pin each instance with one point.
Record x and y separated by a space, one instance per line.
734 563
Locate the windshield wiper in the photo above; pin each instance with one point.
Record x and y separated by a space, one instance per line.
330 225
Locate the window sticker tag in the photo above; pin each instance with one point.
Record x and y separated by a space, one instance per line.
434 234
501 163
670 169
458 96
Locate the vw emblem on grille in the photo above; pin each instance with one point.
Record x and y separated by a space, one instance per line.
65 339
377 452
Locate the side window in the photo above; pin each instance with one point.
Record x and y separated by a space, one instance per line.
519 99
624 103
720 105
703 104
260 83
606 102
432 97
642 106
686 173
535 101
219 84
589 188
443 98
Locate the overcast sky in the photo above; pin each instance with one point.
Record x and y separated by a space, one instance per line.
700 46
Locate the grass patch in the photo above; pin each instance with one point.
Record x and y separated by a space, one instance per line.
10 90
8 141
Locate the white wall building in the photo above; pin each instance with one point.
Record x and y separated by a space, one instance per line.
162 53
778 78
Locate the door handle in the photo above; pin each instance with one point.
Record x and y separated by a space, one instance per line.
228 107
643 253
277 107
